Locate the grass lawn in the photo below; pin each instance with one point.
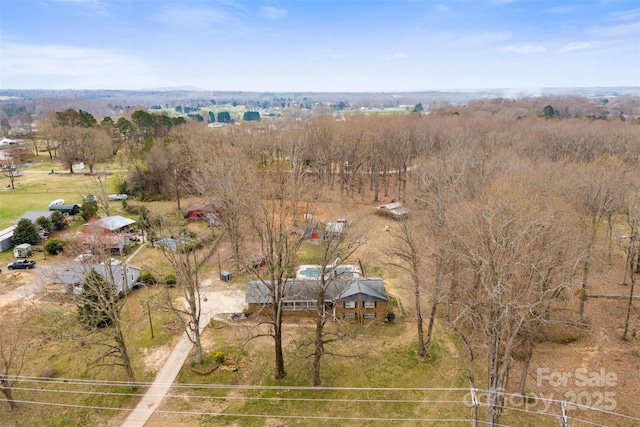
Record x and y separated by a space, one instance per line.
59 349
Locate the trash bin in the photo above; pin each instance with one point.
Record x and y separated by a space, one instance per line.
225 276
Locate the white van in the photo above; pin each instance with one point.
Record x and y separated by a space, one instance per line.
56 203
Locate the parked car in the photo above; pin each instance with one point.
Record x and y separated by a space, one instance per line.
84 258
117 197
23 264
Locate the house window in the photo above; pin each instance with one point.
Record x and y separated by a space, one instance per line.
265 304
369 304
349 315
349 304
369 315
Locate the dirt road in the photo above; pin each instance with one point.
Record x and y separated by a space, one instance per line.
219 300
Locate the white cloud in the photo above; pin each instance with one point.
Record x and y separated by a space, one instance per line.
627 15
399 55
525 49
574 46
196 18
270 12
442 8
93 7
621 30
70 67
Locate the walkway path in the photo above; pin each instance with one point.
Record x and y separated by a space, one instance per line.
218 301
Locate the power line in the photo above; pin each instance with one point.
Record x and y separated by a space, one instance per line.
190 396
297 417
104 383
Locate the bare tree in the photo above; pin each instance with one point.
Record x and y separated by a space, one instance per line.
632 252
223 180
95 147
595 196
514 260
98 187
185 264
12 172
14 343
69 142
272 220
413 253
337 248
45 131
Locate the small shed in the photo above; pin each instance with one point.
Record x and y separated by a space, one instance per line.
22 251
394 210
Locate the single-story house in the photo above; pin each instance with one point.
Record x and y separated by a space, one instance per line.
111 233
346 298
34 215
74 274
394 210
96 237
6 238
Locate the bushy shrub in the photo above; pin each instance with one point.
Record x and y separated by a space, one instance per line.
170 279
219 357
54 246
147 278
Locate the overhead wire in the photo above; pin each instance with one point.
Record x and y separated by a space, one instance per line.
106 383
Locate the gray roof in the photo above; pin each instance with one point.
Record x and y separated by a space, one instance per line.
395 210
34 215
352 289
334 227
115 222
74 274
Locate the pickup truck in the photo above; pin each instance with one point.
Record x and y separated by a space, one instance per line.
23 263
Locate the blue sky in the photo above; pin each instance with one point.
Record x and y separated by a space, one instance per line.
346 45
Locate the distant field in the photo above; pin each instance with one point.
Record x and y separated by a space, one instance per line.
36 188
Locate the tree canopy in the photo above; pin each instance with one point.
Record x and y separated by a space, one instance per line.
25 232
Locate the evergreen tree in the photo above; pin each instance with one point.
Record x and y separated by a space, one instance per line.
25 232
58 221
224 117
45 224
251 116
96 296
89 210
